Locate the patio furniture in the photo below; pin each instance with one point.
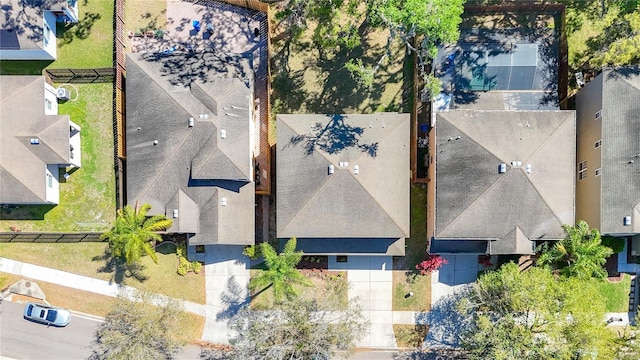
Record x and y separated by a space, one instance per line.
159 34
209 27
150 34
196 25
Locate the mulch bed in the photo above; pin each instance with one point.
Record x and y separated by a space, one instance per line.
311 262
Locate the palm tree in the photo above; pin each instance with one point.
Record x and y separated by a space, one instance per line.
133 232
579 254
281 272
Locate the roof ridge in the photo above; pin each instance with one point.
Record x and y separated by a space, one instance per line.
394 128
19 91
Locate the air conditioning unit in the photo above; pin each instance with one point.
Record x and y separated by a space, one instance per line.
63 94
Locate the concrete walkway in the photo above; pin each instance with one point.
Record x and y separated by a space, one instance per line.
227 276
80 282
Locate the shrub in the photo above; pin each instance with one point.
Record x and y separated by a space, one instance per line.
184 266
252 251
432 263
615 243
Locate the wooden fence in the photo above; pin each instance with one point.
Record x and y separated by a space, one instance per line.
81 76
49 237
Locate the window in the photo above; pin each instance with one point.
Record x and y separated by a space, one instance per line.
341 258
598 114
582 170
598 171
48 104
597 144
49 180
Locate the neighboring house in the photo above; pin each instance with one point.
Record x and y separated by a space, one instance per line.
501 162
28 27
35 142
190 147
608 157
503 180
343 182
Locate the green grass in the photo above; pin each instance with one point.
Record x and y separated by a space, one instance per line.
321 283
87 198
616 295
306 82
77 258
89 43
145 14
420 285
417 243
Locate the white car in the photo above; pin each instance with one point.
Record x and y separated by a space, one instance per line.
48 315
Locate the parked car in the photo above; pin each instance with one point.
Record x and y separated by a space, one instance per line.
46 314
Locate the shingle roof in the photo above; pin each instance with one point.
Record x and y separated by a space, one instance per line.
206 177
475 201
21 22
23 165
312 203
621 138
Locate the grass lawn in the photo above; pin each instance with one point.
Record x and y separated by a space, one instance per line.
90 303
321 283
89 43
417 243
145 15
420 285
87 198
77 258
410 336
305 81
616 295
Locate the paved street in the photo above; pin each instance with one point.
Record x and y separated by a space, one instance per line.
22 339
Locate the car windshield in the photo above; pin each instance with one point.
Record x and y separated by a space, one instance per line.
51 315
29 310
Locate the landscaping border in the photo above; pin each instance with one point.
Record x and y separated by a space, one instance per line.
18 236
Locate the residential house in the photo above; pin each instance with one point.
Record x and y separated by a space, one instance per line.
501 161
28 28
36 144
189 141
343 183
608 155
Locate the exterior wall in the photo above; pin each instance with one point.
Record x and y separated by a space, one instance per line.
50 100
49 34
52 184
589 130
75 155
431 186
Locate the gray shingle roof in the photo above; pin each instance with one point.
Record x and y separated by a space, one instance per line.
192 169
23 165
621 144
475 201
312 203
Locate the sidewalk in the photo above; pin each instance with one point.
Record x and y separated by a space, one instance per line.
80 282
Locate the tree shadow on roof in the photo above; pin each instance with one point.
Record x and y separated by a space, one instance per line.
334 137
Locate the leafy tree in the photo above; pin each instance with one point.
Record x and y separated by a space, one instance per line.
432 263
579 254
281 272
534 315
135 329
300 329
133 232
615 243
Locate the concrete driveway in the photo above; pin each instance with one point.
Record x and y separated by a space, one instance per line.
461 270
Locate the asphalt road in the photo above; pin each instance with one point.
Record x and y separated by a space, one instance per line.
22 339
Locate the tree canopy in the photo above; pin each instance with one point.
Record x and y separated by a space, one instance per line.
133 232
136 330
281 273
305 328
580 253
534 315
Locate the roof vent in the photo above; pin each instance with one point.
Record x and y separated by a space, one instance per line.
155 142
344 163
223 201
191 121
204 116
175 213
223 133
331 169
516 163
627 221
356 169
34 141
527 168
502 168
